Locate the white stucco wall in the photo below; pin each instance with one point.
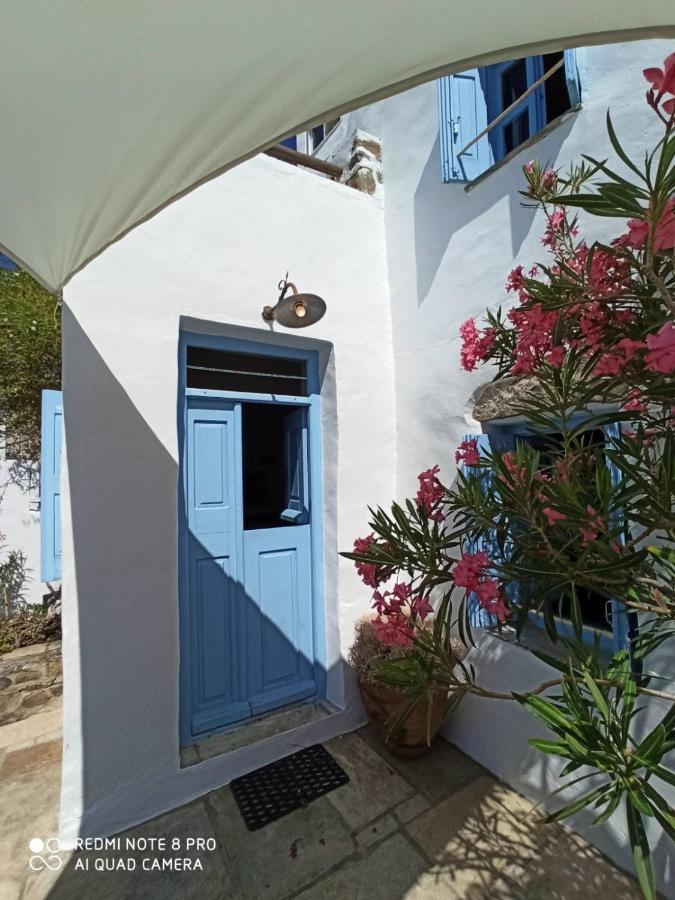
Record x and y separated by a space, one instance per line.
449 251
20 520
208 262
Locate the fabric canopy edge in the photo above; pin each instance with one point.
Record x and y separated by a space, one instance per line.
506 53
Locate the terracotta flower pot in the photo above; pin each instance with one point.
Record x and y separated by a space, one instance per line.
412 737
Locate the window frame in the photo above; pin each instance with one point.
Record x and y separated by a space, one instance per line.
534 105
463 114
502 437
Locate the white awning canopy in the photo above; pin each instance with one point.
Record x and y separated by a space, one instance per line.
112 109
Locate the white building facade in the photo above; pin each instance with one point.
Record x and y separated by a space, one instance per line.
379 396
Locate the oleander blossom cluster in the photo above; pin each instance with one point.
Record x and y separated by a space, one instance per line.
472 572
597 284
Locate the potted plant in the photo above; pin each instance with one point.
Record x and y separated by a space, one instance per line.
407 720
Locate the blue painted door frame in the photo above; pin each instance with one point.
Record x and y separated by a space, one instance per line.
257 627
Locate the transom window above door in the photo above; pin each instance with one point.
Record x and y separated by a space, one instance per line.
223 370
485 114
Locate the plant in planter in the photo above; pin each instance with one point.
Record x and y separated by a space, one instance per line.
407 721
561 519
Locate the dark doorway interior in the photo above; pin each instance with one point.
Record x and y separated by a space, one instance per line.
264 469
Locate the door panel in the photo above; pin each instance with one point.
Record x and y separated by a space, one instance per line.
277 565
215 600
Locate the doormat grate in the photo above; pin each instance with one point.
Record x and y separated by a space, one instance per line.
285 785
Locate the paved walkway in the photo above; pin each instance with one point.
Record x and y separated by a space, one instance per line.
439 828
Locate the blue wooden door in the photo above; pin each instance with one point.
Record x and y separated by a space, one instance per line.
215 602
50 486
278 586
249 591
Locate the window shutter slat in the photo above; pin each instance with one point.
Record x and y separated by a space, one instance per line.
462 115
50 486
478 617
619 614
572 77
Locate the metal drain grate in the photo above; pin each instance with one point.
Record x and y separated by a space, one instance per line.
287 784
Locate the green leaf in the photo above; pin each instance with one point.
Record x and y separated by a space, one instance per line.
618 149
580 803
547 712
652 745
641 853
557 748
598 698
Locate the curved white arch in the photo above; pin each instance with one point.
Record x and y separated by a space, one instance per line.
111 110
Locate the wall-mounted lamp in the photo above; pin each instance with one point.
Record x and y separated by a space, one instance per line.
295 310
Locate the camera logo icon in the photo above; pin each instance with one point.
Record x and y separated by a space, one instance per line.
45 854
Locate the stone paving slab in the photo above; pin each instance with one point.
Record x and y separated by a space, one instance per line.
34 728
30 803
374 786
279 860
477 834
393 870
444 770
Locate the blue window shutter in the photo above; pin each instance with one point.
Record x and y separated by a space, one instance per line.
290 142
572 77
478 617
462 115
50 486
619 614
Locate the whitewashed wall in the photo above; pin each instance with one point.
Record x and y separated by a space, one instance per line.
449 251
208 262
20 520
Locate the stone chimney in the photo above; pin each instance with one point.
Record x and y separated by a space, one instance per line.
364 167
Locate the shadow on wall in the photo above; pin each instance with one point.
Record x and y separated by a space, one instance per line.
124 489
441 210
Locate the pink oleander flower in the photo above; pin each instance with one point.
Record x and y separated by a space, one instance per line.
556 356
469 352
518 475
549 178
662 82
467 571
609 365
430 493
629 347
487 591
467 453
664 233
553 228
476 347
379 603
661 355
396 632
371 574
528 168
593 527
420 606
553 515
492 600
634 403
622 353
400 594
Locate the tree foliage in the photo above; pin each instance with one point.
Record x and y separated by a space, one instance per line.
30 358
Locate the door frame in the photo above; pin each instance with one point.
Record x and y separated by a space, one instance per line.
313 404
